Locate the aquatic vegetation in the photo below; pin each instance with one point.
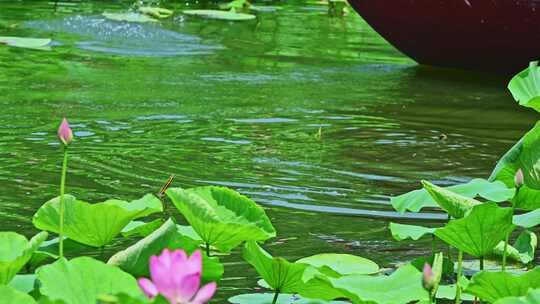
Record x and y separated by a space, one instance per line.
129 17
178 264
222 217
177 277
27 43
219 15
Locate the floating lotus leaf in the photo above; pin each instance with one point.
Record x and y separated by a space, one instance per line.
480 231
10 295
532 297
456 205
264 9
219 15
155 12
523 249
342 264
15 252
403 286
525 87
414 201
93 224
492 286
27 43
527 220
222 217
134 259
84 279
266 298
402 232
277 272
129 17
140 228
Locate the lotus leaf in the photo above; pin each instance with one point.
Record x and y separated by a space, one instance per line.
403 286
414 201
525 87
15 252
266 298
93 224
454 204
222 217
219 15
135 258
27 43
342 264
83 279
480 231
155 12
10 295
532 297
402 232
523 249
139 228
492 286
280 274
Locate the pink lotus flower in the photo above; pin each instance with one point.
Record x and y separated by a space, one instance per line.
64 132
177 277
428 277
518 178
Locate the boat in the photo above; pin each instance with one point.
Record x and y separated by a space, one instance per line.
490 35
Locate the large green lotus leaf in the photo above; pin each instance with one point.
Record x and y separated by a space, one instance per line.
15 252
402 232
403 286
266 298
525 155
456 205
532 297
129 17
480 231
523 249
93 224
277 272
416 200
223 218
492 286
140 228
83 279
525 87
10 295
219 15
317 284
342 264
135 258
27 43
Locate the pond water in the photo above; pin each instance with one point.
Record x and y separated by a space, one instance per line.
241 105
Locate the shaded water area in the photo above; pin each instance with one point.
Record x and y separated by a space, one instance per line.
241 105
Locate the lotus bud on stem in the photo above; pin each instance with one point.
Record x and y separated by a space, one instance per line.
65 134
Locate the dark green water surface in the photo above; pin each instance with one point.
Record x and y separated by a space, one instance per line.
240 105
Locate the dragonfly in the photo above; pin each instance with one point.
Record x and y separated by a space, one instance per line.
165 186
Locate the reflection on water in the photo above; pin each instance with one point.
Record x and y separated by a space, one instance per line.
316 118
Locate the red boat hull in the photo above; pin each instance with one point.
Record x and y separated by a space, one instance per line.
493 35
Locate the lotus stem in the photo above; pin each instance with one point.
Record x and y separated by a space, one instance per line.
459 274
433 245
481 263
62 192
208 249
276 294
503 268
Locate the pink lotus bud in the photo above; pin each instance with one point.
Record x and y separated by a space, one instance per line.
518 178
428 277
64 132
